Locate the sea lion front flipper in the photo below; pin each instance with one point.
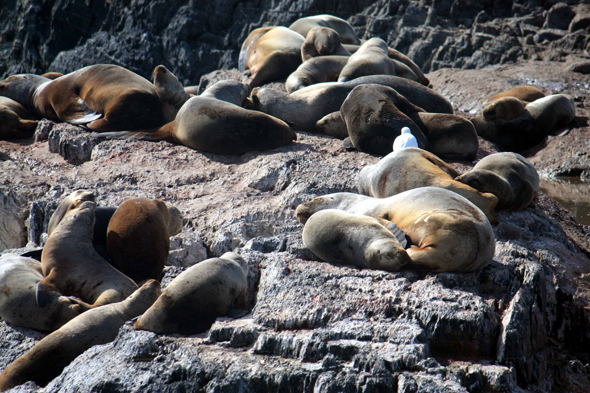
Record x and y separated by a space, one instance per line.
77 112
45 293
441 164
239 306
347 144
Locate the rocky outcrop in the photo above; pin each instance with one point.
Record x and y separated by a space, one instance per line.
193 37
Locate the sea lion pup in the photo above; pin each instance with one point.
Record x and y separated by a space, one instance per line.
138 240
270 54
18 305
516 126
353 239
400 57
229 91
13 123
524 93
370 59
219 127
446 231
322 41
411 168
315 70
304 25
102 97
47 359
193 300
72 266
374 116
170 91
509 176
302 109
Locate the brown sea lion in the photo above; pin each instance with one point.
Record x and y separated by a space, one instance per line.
102 97
193 300
13 123
304 25
370 59
303 108
411 168
170 91
524 93
47 359
72 266
353 239
509 176
446 232
270 54
18 302
315 70
216 126
138 240
322 41
516 127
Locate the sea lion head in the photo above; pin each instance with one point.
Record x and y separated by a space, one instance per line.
505 108
170 91
486 181
231 91
237 258
386 254
330 201
175 220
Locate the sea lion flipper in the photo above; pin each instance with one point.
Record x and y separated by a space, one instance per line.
77 112
398 233
45 293
441 164
347 144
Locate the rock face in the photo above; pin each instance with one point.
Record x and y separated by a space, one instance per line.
520 323
194 37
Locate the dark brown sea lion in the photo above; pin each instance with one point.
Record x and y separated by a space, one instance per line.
13 123
322 41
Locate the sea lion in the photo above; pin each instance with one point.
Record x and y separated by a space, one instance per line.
374 116
102 97
216 126
524 93
170 91
193 300
322 41
304 25
72 266
47 359
13 123
353 239
398 56
411 168
302 109
370 59
269 54
446 231
230 91
18 305
315 70
138 240
509 176
516 127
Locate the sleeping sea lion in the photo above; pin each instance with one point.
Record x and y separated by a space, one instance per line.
322 41
13 123
304 25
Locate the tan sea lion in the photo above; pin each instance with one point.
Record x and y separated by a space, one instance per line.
509 176
446 231
102 97
47 359
516 127
229 91
216 126
315 70
18 303
13 123
270 54
170 91
72 266
302 109
193 300
138 240
322 41
370 59
398 56
411 168
353 239
304 25
524 93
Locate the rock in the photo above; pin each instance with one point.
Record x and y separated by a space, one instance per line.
559 17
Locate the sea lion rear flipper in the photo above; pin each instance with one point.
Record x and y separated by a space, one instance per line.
239 306
398 233
45 293
77 112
